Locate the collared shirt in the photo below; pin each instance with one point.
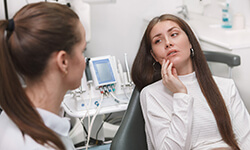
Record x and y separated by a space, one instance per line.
11 137
185 121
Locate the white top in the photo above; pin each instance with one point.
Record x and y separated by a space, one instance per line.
11 137
185 121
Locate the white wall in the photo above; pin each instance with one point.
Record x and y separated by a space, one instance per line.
15 5
117 28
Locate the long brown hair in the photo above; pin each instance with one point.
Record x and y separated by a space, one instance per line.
39 30
143 74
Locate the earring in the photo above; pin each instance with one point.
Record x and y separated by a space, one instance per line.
65 71
192 52
156 66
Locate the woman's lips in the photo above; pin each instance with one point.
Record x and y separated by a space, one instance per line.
171 53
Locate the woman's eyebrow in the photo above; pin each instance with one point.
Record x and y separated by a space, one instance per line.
169 30
159 34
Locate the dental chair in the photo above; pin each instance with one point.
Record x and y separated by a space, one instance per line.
230 60
131 134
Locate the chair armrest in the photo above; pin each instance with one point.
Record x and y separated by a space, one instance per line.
231 60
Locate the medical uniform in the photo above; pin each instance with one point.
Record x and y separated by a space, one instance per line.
11 137
185 121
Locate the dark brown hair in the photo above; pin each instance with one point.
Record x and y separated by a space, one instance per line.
40 29
143 74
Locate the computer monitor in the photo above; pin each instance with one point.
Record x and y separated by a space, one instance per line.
102 71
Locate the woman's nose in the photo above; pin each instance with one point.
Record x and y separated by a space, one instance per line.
168 43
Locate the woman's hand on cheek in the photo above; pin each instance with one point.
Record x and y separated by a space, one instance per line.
170 78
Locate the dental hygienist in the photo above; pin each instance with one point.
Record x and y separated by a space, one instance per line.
187 108
43 43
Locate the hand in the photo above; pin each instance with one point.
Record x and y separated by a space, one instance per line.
222 148
170 78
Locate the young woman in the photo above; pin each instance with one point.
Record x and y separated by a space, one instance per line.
188 108
43 43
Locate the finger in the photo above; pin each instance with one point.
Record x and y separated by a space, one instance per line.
164 71
164 67
174 72
169 69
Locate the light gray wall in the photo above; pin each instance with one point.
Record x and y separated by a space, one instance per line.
117 28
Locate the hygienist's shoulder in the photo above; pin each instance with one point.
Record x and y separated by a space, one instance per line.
9 133
11 137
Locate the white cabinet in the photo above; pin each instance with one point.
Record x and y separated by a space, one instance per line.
213 37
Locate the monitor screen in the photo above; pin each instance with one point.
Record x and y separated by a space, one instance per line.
103 71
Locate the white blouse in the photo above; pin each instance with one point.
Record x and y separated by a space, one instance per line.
185 121
11 137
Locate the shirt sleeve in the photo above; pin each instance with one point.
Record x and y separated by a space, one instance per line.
168 125
240 118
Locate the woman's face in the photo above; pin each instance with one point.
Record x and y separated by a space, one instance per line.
77 61
170 42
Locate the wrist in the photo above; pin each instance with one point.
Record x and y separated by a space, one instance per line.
182 91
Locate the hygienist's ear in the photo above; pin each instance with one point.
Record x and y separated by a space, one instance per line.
152 53
62 61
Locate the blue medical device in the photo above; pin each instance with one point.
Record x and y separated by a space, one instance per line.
102 71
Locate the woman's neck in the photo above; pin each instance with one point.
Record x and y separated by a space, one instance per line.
46 94
184 69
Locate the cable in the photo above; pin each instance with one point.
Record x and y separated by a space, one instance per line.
116 120
90 101
88 106
102 125
125 93
93 119
84 128
117 99
87 110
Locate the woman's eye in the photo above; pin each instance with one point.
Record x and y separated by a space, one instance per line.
174 34
157 41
